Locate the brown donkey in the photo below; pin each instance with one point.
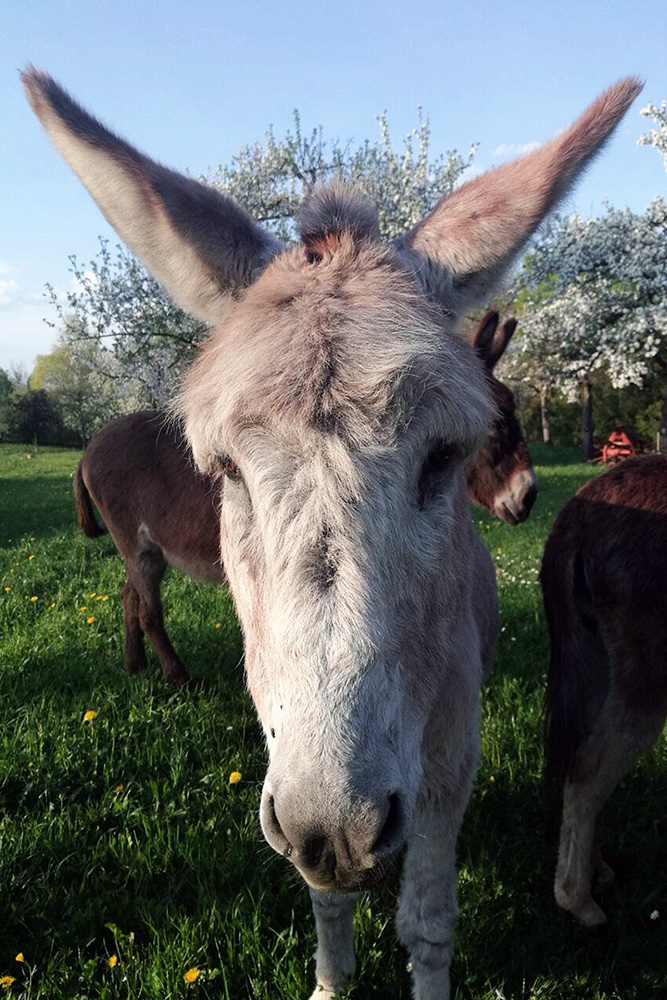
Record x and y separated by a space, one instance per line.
161 512
603 580
339 408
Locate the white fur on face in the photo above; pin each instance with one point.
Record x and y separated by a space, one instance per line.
347 580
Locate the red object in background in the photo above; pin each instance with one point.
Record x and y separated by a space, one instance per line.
618 446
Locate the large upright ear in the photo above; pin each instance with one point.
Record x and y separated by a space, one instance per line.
461 250
201 245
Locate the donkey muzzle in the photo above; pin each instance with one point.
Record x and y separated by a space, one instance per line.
516 503
346 852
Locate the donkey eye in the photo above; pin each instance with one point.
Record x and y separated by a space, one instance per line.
230 469
436 465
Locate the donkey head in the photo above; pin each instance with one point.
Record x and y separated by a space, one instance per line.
500 476
341 409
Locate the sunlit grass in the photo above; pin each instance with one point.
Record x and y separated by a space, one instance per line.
128 858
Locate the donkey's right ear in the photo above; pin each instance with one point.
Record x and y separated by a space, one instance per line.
198 243
482 338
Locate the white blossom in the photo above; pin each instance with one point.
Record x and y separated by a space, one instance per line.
657 137
594 296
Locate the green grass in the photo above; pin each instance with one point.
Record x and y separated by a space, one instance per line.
122 836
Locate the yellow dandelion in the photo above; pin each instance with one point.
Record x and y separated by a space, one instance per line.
90 619
235 777
90 715
19 957
491 778
30 557
217 624
192 975
106 597
7 589
118 789
30 539
34 597
84 607
7 981
52 605
30 764
113 961
92 595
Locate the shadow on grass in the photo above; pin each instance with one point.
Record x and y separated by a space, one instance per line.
512 937
40 506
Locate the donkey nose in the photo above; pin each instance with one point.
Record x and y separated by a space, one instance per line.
530 498
336 855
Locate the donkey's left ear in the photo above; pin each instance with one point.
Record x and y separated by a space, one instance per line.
201 245
462 249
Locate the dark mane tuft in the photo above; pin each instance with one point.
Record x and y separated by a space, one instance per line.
336 209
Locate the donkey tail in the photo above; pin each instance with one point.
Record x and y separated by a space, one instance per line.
85 514
578 677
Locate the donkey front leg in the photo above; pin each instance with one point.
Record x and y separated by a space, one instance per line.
428 910
334 958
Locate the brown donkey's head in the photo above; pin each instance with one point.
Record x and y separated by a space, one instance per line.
500 476
340 408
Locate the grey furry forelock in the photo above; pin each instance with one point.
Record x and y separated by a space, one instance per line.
336 208
347 345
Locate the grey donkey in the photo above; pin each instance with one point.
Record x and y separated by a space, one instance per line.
339 407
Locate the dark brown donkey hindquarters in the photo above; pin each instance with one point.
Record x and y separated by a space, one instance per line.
604 581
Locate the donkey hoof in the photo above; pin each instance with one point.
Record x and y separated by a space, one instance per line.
179 679
579 905
590 914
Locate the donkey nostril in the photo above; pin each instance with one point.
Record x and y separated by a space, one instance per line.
312 850
271 819
392 830
530 497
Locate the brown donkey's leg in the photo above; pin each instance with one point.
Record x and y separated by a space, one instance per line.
146 572
135 654
618 738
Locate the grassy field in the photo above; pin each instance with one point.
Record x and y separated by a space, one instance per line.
127 858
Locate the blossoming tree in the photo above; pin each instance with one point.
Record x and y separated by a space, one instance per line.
593 296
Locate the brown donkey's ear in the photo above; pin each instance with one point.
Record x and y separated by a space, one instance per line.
461 249
201 245
500 342
482 338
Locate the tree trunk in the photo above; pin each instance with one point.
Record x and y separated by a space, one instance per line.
544 410
662 433
587 419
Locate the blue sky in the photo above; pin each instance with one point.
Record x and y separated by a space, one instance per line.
190 82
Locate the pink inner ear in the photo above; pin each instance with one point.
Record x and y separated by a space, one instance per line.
477 231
